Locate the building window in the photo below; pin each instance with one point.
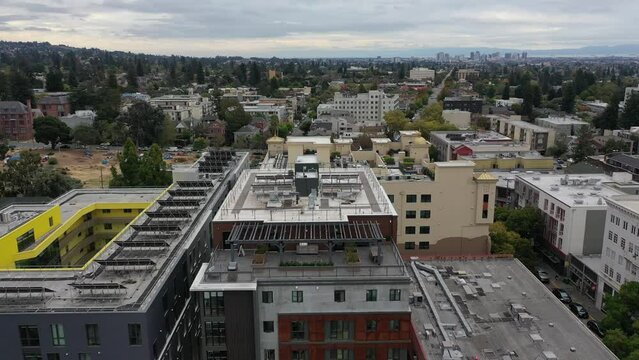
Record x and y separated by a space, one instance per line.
371 325
484 214
216 355
615 238
108 226
411 214
339 354
340 330
29 335
395 295
57 335
424 229
409 245
619 277
299 355
394 354
625 225
269 354
267 297
424 214
214 333
425 198
297 296
84 356
371 295
424 245
213 303
623 243
391 198
53 356
339 295
50 221
126 211
298 330
135 334
106 211
268 326
370 354
609 235
411 198
409 230
93 335
393 325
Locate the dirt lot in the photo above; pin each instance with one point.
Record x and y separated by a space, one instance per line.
87 168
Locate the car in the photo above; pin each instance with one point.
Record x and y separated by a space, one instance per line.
578 310
596 328
542 275
562 295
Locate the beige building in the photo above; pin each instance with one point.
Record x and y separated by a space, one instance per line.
537 137
459 118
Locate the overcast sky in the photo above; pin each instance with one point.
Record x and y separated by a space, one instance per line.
318 27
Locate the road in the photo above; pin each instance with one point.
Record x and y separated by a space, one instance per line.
438 89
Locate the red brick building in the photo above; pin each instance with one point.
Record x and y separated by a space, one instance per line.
16 120
55 105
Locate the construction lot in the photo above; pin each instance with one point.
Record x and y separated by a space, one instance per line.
495 309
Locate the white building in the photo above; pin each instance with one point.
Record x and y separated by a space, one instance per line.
629 92
573 208
566 125
344 124
80 117
184 107
619 258
422 74
459 118
508 103
369 106
266 110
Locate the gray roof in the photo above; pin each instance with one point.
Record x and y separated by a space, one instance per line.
632 161
54 100
248 129
12 107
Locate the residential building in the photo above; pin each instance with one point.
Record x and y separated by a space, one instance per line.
567 126
214 129
623 162
422 74
240 93
260 300
618 263
274 74
537 137
369 106
16 120
343 124
573 208
459 118
55 104
134 97
464 103
630 91
467 74
80 117
190 108
266 111
105 273
508 103
246 132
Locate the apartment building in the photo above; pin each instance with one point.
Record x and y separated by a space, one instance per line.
16 120
467 74
562 125
619 262
422 74
305 267
55 104
343 124
266 111
105 273
191 107
574 210
369 106
464 103
537 137
630 91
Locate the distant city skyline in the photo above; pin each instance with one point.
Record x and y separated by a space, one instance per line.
306 28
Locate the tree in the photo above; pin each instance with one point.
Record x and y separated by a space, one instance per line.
200 144
85 135
560 147
4 149
615 145
51 130
145 123
620 322
233 113
433 112
132 79
630 115
54 81
608 119
527 222
506 93
395 121
129 163
365 142
167 136
361 89
504 241
153 170
305 126
139 69
568 97
583 145
27 177
20 86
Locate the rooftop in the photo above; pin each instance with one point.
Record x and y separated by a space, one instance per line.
628 160
527 125
500 309
628 202
476 137
316 140
561 121
578 190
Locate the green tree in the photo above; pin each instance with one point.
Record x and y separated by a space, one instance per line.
305 126
506 92
568 97
200 144
527 222
433 112
129 163
51 130
395 121
630 115
233 113
584 146
54 81
622 321
615 145
86 135
168 135
361 89
27 177
132 79
560 147
153 171
608 119
4 149
20 87
504 241
145 123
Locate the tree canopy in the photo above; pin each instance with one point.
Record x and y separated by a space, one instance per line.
630 115
395 121
145 123
148 170
584 146
51 130
622 321
28 177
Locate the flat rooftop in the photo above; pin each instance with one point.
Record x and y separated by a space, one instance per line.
561 121
576 190
270 195
470 136
628 202
317 140
527 125
483 291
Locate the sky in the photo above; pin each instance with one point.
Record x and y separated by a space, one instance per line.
310 28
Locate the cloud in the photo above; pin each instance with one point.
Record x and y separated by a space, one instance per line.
311 27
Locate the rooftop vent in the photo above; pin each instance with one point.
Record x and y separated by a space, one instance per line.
579 201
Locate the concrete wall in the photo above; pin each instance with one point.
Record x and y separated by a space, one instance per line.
593 236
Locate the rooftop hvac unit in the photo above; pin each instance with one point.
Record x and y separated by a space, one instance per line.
579 201
5 218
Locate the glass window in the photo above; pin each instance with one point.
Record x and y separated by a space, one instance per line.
371 325
393 325
213 303
423 245
108 226
32 355
127 210
371 295
409 245
424 229
216 355
29 335
411 198
425 198
135 334
268 326
269 354
339 295
298 330
394 354
93 335
299 355
411 214
214 333
297 296
84 356
57 335
370 354
395 295
391 198
424 214
339 354
410 230
340 330
267 297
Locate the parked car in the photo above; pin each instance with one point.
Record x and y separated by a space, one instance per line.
542 275
595 327
578 310
562 295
